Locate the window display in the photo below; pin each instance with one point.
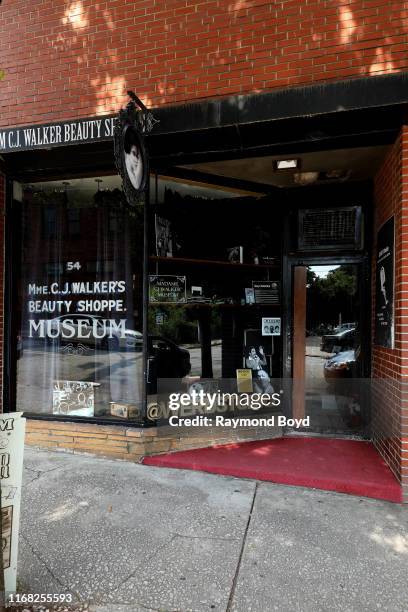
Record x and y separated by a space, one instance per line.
229 290
80 300
80 296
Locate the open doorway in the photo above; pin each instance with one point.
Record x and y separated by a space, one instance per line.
328 383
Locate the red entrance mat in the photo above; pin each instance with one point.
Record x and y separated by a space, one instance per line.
345 466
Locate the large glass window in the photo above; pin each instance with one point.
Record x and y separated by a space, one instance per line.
80 300
215 306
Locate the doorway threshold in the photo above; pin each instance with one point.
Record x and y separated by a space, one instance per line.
292 433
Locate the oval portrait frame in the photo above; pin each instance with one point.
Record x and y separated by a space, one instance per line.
129 132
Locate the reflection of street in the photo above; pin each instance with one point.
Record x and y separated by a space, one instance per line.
195 359
329 406
314 363
118 373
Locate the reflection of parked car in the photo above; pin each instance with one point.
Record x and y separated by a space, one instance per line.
92 329
340 366
343 327
340 341
167 359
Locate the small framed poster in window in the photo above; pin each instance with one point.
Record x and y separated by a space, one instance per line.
271 326
167 289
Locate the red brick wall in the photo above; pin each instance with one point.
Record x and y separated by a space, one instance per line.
390 366
402 305
69 58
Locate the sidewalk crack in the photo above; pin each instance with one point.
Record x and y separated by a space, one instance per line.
132 574
43 562
40 473
235 579
36 476
203 537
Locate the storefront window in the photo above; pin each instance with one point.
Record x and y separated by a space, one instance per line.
214 292
80 300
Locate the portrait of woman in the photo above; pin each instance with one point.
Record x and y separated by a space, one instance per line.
133 158
256 361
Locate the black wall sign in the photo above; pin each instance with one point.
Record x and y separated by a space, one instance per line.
46 136
131 125
384 286
266 292
167 289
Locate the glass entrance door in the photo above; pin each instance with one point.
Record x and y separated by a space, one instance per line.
328 385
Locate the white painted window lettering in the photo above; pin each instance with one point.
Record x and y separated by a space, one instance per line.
73 265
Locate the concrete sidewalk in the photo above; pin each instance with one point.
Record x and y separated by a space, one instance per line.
126 537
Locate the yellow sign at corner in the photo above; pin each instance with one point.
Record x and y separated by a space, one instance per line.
244 380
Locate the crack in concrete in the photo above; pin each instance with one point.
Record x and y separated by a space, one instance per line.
48 569
28 482
159 548
235 579
31 469
38 474
175 535
204 537
42 472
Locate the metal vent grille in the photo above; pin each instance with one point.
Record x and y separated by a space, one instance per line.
329 228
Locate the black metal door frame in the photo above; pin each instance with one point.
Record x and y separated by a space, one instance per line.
364 288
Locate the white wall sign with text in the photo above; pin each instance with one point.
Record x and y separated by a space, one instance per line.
12 429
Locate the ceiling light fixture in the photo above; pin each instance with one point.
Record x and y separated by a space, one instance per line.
281 165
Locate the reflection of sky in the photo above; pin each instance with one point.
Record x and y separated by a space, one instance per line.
322 271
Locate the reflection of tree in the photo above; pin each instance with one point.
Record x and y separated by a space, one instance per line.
310 277
338 283
178 325
328 297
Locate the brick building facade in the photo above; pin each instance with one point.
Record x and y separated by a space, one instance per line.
79 57
237 80
389 426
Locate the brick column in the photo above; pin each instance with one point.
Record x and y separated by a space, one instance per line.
402 312
390 366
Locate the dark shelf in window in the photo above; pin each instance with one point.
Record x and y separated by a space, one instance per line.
209 305
209 262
